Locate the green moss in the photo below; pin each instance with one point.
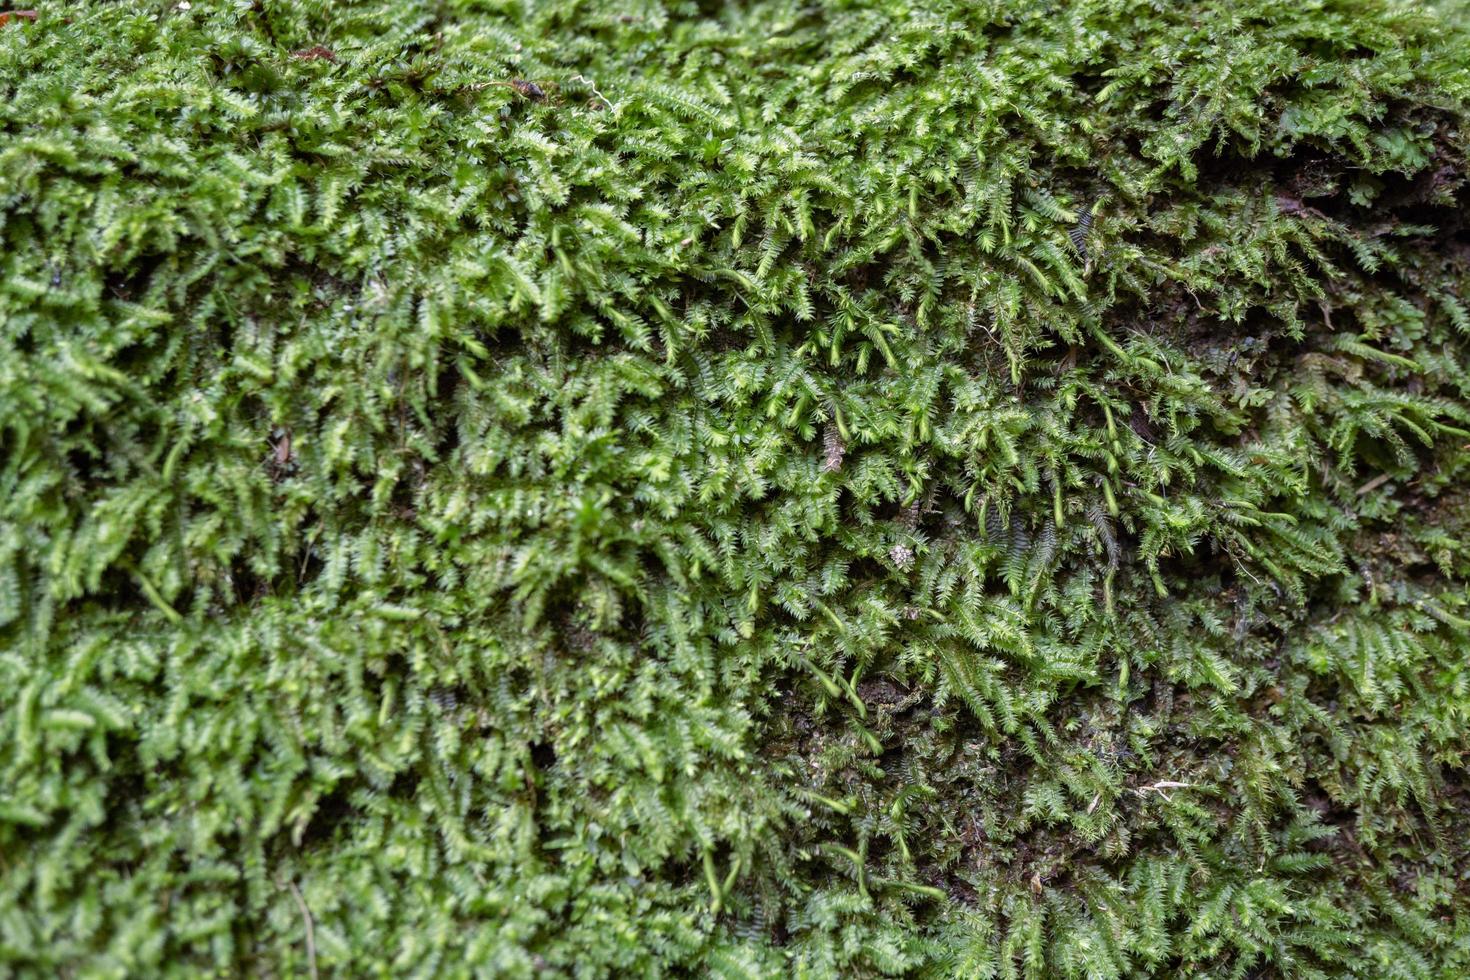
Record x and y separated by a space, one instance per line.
972 489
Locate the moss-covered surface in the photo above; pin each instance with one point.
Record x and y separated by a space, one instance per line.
784 489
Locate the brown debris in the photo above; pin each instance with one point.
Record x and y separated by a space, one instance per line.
530 90
317 53
833 448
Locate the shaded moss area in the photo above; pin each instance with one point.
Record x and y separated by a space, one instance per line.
856 489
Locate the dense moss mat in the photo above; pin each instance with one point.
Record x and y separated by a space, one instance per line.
972 489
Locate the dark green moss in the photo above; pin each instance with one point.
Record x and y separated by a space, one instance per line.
968 489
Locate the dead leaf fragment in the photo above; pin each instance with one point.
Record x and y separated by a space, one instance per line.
317 53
